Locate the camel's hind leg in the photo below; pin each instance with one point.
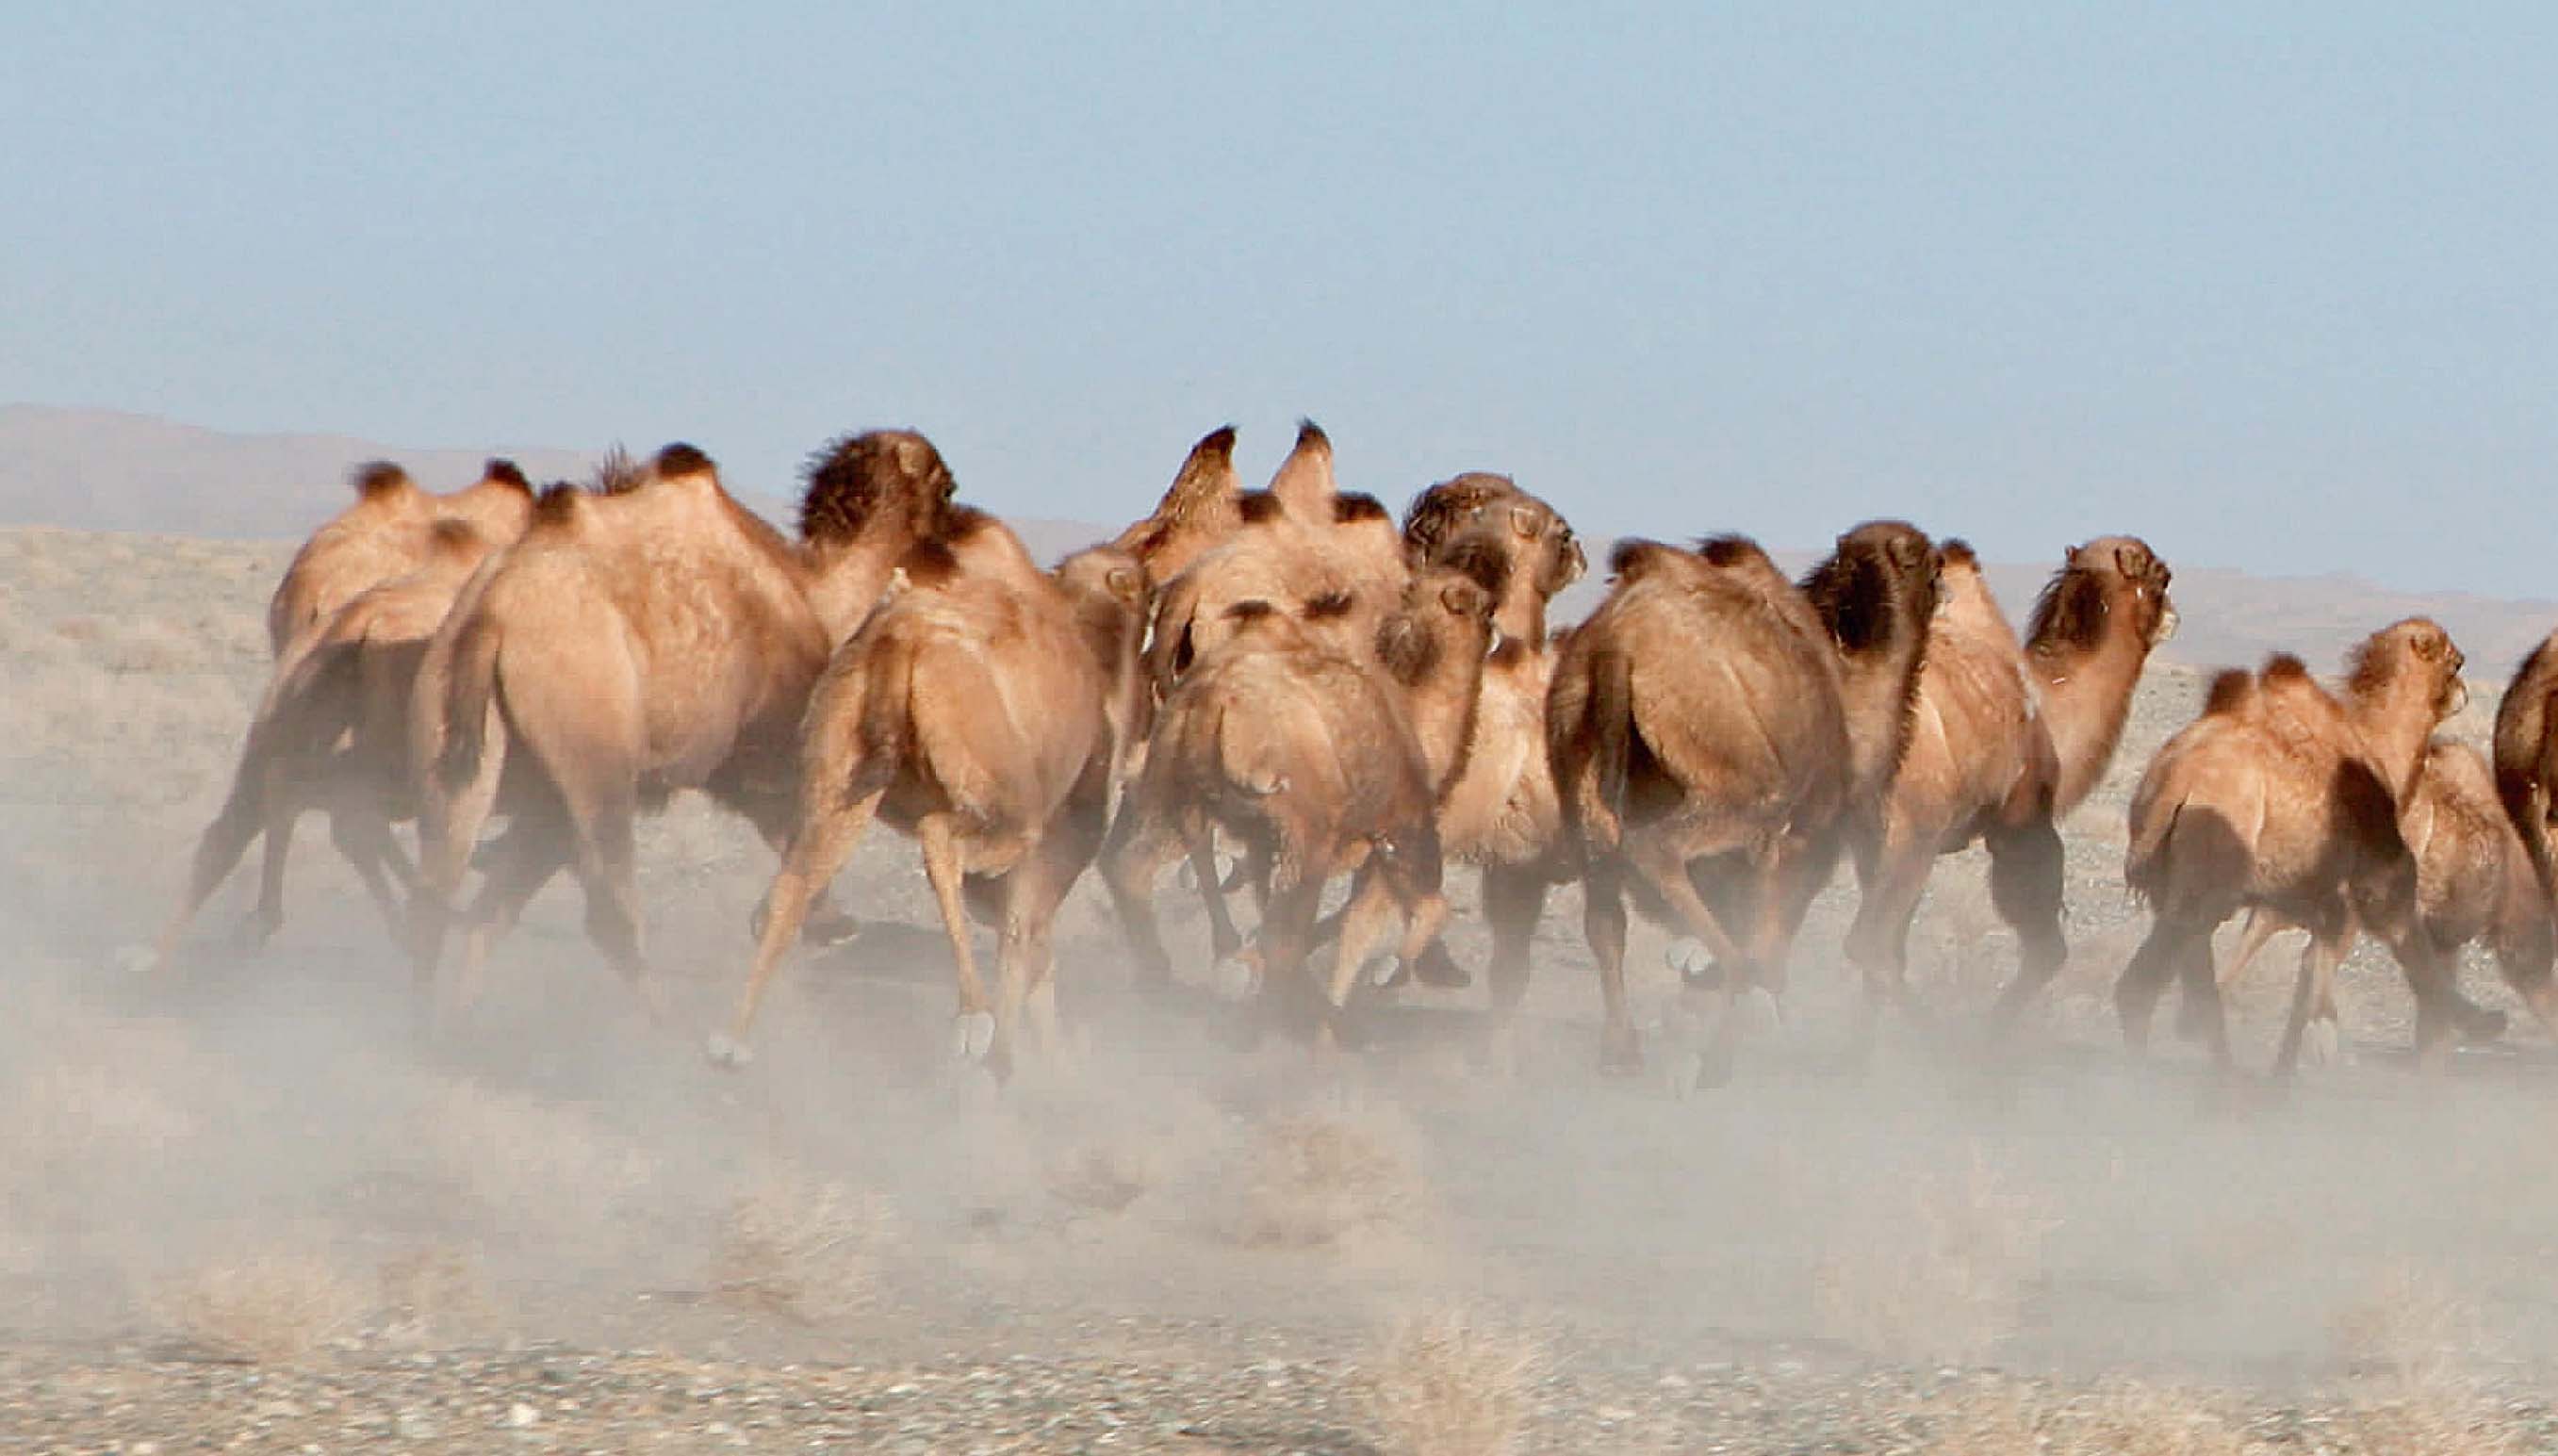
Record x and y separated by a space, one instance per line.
2026 888
2157 961
1513 901
217 852
976 1033
363 836
1892 877
1660 863
2313 996
808 866
1141 842
1603 925
534 848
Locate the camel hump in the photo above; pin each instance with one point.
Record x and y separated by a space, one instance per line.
1732 549
377 480
1955 551
1215 450
2232 688
2285 668
503 472
929 563
1354 508
558 504
1634 557
679 460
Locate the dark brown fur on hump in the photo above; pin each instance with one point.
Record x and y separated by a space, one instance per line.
557 505
2070 613
1732 549
2232 688
1258 508
855 476
1330 606
934 560
1194 488
504 472
1632 557
1350 510
2285 668
451 535
1857 594
1955 551
680 459
1311 436
615 473
1439 512
377 477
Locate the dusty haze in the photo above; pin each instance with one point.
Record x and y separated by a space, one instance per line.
266 1161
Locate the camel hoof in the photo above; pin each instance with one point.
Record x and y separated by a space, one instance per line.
1759 1012
972 1036
727 1053
1695 965
1237 978
2322 1045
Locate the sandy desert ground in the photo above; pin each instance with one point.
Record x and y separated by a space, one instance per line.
252 1208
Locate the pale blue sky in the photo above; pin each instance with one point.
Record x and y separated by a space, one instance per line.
2240 278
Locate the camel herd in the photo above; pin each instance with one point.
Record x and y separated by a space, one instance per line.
1289 676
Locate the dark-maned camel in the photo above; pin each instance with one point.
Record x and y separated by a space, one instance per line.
332 732
635 644
1335 562
1696 717
2003 741
979 709
1317 763
384 535
2475 881
1201 511
2526 758
2284 796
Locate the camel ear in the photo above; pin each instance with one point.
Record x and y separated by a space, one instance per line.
1126 583
2126 562
2071 555
1523 521
1461 600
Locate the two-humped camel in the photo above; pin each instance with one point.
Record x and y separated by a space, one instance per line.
1696 717
1318 762
2526 757
635 644
362 595
981 709
2003 741
1501 812
2475 881
2287 797
1334 560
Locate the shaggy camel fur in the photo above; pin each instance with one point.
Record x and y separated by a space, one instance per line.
332 732
382 536
1333 560
2284 796
1695 716
2003 741
2526 758
1316 762
1200 512
1500 813
980 710
638 643
2475 881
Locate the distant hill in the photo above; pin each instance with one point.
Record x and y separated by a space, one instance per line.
102 470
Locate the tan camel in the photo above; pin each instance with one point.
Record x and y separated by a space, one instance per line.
1317 763
2526 758
2475 881
1200 512
2005 739
1333 560
1696 717
2287 797
382 536
979 710
635 644
332 732
1500 813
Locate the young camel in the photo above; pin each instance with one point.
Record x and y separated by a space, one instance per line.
332 732
382 536
1316 764
2475 881
1500 813
632 645
2526 758
1696 716
2005 740
982 710
2287 797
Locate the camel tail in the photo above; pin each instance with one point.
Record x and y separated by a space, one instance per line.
469 690
1610 722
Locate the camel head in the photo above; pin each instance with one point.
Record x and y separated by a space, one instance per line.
2411 661
1538 533
1881 577
879 484
2109 579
